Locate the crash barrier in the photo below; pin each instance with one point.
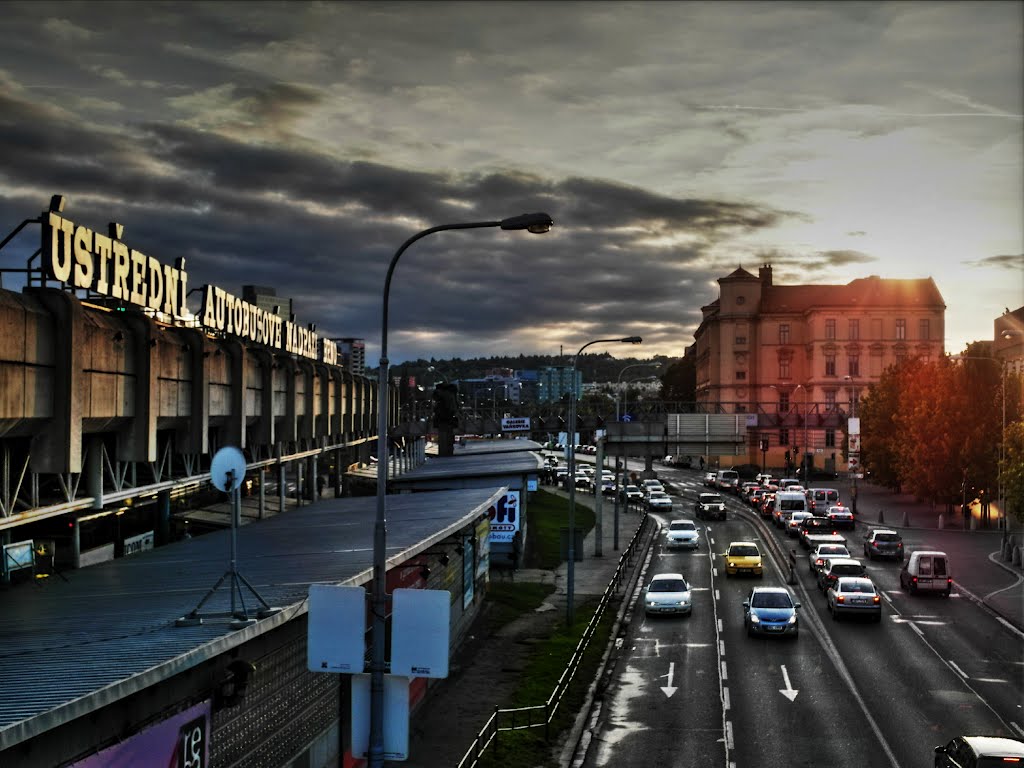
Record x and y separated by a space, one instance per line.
541 715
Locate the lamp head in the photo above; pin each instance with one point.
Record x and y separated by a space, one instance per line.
631 340
536 223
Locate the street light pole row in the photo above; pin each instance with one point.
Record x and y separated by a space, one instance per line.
571 475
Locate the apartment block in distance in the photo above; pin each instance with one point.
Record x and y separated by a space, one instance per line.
797 355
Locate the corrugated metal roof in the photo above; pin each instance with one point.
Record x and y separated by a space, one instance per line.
70 647
474 464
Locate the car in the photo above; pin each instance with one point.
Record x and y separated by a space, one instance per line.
658 501
785 504
631 494
682 534
747 488
728 480
771 611
836 567
743 557
927 571
710 479
793 525
767 504
812 525
821 499
841 517
854 596
755 497
883 542
651 484
980 752
668 593
710 506
816 560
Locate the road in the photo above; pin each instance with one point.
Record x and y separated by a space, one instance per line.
696 691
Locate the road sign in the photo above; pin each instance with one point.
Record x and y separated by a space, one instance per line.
853 463
626 417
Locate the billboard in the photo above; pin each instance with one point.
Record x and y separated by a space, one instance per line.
504 517
515 424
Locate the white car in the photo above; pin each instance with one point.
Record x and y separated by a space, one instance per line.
651 485
682 534
631 494
658 501
668 593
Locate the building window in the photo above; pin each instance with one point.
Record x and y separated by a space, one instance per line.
741 375
830 328
784 333
741 341
854 330
901 356
830 438
830 401
901 330
783 437
783 402
830 365
854 361
741 407
783 369
924 329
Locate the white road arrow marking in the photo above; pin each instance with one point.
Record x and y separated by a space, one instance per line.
669 689
789 692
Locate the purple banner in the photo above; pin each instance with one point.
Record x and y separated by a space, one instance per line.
181 741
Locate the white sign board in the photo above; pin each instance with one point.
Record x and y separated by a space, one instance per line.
336 628
854 443
515 424
504 516
396 716
420 621
853 425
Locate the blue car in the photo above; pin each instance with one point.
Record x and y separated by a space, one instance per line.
771 611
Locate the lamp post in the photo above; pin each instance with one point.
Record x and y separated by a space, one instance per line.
536 223
853 415
572 470
618 387
806 479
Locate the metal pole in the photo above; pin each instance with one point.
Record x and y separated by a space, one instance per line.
598 499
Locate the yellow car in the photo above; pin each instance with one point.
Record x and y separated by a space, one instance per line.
743 557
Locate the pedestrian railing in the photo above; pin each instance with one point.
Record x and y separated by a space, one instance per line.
542 715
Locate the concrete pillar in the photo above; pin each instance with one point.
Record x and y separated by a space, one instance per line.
76 541
163 515
263 494
339 471
94 471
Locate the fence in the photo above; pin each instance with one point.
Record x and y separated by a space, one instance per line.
541 715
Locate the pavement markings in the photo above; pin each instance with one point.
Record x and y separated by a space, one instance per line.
957 669
725 672
990 680
725 698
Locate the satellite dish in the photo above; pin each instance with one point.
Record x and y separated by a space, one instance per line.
227 470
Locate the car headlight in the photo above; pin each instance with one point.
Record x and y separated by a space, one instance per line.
755 619
792 619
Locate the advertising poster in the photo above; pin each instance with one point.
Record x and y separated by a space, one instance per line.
504 516
180 741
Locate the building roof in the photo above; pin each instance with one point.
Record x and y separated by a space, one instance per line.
863 292
75 644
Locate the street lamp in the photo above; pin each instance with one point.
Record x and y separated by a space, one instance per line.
618 492
536 223
571 476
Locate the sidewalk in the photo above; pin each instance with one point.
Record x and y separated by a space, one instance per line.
980 572
485 670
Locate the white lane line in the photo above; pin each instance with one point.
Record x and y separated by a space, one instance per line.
725 672
957 669
914 627
728 736
719 625
717 596
1019 729
712 541
1007 624
721 647
725 698
714 572
989 680
722 690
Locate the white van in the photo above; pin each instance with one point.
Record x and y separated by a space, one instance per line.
785 504
728 480
927 571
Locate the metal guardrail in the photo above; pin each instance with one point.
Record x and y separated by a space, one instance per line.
541 715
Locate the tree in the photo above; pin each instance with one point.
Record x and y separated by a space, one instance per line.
879 435
1012 471
679 382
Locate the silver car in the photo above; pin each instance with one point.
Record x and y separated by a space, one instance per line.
854 596
682 534
668 593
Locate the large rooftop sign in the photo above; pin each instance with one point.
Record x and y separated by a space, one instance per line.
82 258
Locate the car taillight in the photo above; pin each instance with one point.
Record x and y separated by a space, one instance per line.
900 545
949 581
877 599
840 599
915 579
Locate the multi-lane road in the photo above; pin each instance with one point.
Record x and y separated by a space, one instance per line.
697 691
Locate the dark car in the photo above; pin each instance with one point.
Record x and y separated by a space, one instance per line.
710 506
835 567
815 524
883 542
770 611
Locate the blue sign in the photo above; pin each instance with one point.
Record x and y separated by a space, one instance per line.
627 417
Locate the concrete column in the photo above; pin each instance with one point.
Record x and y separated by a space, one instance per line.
163 513
263 493
94 471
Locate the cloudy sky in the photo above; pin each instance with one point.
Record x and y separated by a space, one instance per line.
297 145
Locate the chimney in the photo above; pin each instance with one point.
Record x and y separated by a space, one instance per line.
765 273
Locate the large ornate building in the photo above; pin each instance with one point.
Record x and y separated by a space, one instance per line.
797 355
